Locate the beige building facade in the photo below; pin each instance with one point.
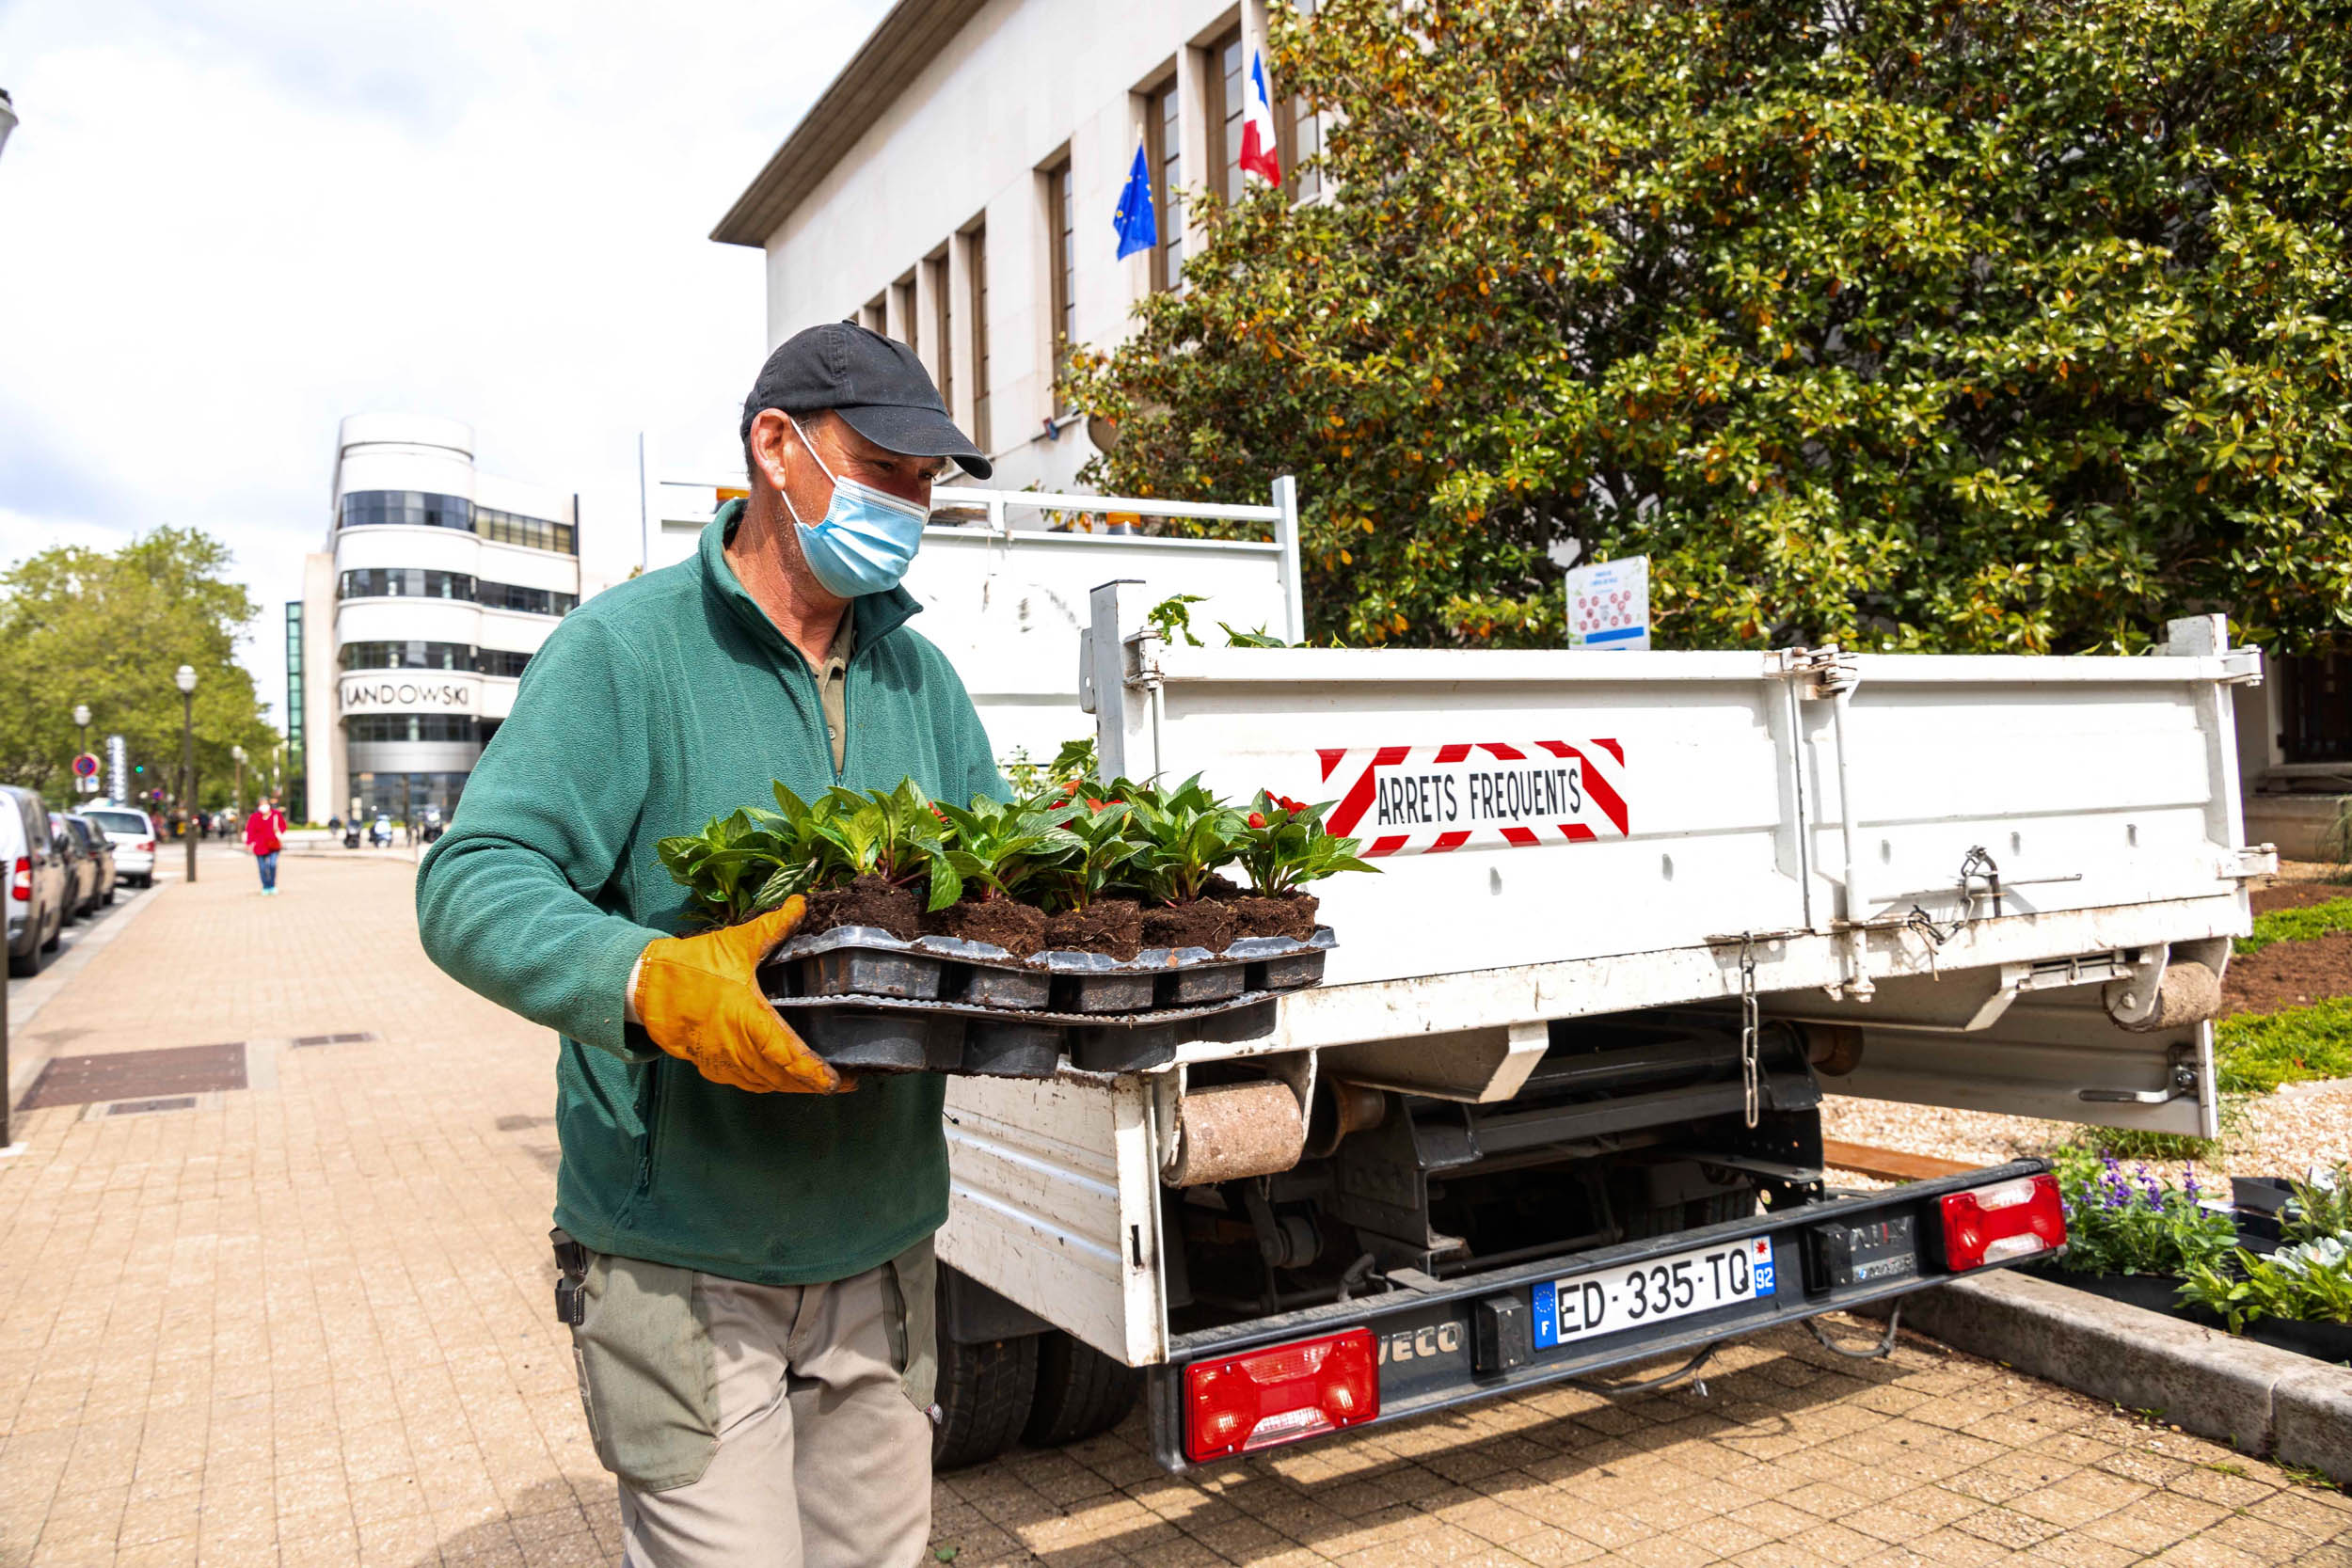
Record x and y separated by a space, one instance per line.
955 188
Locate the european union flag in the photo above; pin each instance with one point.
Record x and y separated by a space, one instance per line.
1138 225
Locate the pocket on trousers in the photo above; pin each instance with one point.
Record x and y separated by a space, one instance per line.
648 1383
911 1302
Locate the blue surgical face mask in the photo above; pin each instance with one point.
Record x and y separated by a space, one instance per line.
867 538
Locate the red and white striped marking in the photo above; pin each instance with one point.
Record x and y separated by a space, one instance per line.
1427 799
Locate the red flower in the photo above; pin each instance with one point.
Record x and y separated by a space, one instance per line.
1093 804
1257 819
1069 789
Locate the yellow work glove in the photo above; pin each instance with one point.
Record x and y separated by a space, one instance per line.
699 999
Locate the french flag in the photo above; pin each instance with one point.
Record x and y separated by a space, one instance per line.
1258 155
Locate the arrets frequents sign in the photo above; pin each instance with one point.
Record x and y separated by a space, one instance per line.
1427 799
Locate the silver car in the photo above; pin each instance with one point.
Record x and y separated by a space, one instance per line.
40 884
132 834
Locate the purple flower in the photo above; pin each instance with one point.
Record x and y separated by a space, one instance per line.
2188 1182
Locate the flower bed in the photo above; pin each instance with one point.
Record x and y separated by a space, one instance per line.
2280 1273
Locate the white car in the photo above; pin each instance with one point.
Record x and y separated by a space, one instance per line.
132 834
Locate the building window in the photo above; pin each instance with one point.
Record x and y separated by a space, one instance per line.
374 729
293 682
406 656
512 527
1062 263
902 301
876 316
404 582
500 661
1302 133
1227 99
531 601
412 508
979 255
2315 708
943 336
1164 153
412 582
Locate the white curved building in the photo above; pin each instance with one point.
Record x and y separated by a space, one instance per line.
437 585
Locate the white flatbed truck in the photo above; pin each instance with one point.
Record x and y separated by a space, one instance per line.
1556 1106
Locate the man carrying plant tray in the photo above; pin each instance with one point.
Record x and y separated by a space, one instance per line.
746 1246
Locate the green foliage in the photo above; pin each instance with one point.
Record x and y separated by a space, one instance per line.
894 835
1282 846
1173 618
2312 920
1104 847
1074 762
2307 1282
2321 1205
1997 327
1060 848
1187 833
743 864
2120 1222
1006 848
83 625
2255 1052
1258 639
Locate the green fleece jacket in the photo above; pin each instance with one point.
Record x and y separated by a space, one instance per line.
656 706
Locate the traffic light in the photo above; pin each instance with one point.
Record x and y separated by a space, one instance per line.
138 767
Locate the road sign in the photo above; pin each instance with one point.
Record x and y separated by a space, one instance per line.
85 773
1609 604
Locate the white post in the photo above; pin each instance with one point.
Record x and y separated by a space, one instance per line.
1286 535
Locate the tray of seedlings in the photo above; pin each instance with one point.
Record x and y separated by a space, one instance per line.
1090 923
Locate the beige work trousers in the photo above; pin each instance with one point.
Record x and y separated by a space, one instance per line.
760 1425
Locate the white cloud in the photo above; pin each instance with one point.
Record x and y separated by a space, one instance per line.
224 224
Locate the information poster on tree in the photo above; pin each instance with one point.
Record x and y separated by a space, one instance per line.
1609 604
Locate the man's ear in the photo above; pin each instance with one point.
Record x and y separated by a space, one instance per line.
771 441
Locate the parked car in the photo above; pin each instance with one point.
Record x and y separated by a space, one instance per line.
38 885
102 852
131 832
81 868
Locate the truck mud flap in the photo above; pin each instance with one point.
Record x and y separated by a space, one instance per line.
1445 1342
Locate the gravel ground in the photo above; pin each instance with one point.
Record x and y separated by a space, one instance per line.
2283 1134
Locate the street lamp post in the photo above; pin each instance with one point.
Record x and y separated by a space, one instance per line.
81 721
185 681
236 801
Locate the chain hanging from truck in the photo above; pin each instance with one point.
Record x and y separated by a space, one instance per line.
1750 1030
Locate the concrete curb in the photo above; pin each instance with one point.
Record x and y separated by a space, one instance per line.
2259 1399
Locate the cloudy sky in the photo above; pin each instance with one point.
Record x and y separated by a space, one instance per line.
224 224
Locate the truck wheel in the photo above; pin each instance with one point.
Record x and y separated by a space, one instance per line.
984 1396
1080 1392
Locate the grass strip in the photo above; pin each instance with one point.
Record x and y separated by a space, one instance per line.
2312 920
2255 1052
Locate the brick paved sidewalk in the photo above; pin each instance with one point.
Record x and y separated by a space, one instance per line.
307 1321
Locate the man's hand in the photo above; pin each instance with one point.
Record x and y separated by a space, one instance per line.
700 1001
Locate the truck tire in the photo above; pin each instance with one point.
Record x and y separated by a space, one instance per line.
984 1396
1080 1392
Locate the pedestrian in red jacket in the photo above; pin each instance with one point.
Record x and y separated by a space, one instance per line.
265 834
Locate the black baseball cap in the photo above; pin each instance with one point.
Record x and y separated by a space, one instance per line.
875 383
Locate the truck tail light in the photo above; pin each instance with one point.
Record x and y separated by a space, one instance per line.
1280 1394
21 885
2008 1220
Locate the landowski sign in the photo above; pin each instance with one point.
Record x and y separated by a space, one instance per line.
393 691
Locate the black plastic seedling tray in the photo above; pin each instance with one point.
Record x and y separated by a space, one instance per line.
862 960
865 1000
882 1033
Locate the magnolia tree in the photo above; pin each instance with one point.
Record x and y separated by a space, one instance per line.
1967 325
